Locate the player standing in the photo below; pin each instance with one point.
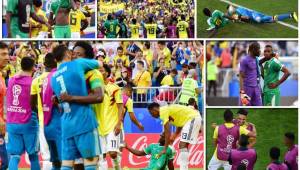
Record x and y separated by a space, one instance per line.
78 21
151 28
22 123
276 164
111 26
225 139
134 29
187 122
271 70
40 30
242 155
291 156
182 27
250 91
79 126
171 29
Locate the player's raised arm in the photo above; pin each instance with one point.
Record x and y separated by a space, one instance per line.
135 151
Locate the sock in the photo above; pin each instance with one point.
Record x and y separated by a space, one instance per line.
66 168
184 159
47 165
283 17
116 163
14 162
102 163
90 167
34 162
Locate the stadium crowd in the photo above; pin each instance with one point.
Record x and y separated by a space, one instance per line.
148 19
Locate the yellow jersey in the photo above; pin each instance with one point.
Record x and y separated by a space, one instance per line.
177 115
35 31
182 29
148 54
36 90
75 20
142 79
134 30
124 59
167 81
12 70
108 117
151 30
167 54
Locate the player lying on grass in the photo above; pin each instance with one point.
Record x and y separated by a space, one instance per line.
272 67
241 120
187 122
157 161
247 15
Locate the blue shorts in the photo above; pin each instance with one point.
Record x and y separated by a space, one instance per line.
19 143
86 145
3 153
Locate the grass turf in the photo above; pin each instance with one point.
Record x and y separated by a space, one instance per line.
271 124
247 30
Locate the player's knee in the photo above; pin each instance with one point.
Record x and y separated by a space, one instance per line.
258 19
113 155
183 145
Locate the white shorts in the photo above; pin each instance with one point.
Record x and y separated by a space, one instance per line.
75 34
42 35
190 131
44 148
111 142
215 164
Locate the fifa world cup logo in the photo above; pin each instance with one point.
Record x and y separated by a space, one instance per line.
245 162
230 140
28 8
17 89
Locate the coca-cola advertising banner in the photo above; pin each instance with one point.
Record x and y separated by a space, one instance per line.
140 141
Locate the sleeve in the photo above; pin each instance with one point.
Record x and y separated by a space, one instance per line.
11 5
129 105
34 87
219 13
215 135
244 131
87 64
95 80
148 149
118 96
277 66
82 16
243 65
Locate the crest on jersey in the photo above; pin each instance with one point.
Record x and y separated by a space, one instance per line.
245 162
230 139
16 89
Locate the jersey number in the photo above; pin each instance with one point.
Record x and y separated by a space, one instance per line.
113 143
184 135
62 84
181 28
111 28
73 20
151 30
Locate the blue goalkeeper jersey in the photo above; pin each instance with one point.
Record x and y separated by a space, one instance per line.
69 78
249 13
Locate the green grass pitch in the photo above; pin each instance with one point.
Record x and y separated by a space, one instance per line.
271 124
247 30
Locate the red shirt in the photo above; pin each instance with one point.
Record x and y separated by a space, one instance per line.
2 95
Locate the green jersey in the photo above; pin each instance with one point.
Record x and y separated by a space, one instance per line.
111 28
272 70
161 162
217 20
56 4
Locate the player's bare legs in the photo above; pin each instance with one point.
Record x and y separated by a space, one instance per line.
116 160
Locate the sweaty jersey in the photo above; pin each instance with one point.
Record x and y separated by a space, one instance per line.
75 20
151 30
57 4
182 27
158 163
111 28
69 78
177 115
217 20
134 30
272 70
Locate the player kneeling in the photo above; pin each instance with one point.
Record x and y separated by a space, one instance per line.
187 121
156 162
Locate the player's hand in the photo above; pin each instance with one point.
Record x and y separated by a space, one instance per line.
244 98
64 97
117 129
272 85
214 125
82 33
54 100
141 127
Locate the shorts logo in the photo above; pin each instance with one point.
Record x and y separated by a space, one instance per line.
245 162
17 89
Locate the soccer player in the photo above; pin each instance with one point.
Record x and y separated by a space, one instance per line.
248 15
216 20
151 28
250 91
134 29
78 21
187 122
4 59
225 139
156 163
111 122
22 123
123 32
242 155
111 26
49 115
183 27
59 17
18 18
171 30
128 105
40 30
79 126
276 164
291 156
271 70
